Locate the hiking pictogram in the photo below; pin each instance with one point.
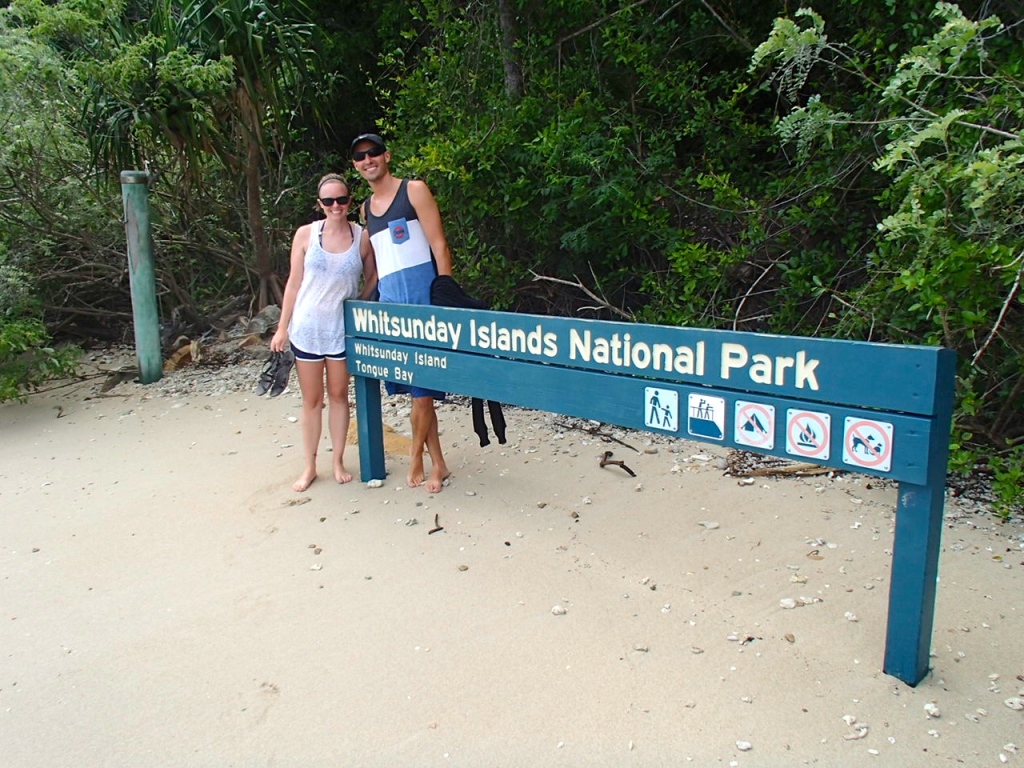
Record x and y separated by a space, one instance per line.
661 409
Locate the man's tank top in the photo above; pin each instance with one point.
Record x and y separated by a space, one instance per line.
405 263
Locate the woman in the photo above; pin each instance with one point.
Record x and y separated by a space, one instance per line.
326 267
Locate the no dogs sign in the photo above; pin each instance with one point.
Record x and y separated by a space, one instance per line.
868 444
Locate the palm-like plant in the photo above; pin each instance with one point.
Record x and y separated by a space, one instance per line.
270 46
213 78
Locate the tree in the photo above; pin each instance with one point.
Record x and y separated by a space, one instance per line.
948 263
270 45
214 79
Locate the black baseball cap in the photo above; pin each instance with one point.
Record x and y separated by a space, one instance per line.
373 138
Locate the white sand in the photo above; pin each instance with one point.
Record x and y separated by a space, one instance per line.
167 602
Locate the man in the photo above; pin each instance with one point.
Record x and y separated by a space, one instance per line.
409 249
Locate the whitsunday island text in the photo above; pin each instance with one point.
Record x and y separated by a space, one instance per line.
619 350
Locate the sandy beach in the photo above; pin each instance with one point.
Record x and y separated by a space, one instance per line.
168 600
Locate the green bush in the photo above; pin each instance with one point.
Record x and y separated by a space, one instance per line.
26 357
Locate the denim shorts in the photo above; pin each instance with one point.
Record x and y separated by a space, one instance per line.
394 388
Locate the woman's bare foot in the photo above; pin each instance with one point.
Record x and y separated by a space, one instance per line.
305 480
436 480
341 474
417 475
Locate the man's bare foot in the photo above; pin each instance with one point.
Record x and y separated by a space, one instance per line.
436 480
341 474
305 480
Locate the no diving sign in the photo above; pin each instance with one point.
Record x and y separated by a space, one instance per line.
867 444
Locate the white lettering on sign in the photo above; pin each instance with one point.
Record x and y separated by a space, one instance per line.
763 369
408 328
622 351
627 351
430 361
497 337
373 371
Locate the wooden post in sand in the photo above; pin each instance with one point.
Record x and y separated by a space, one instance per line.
370 429
877 409
142 275
915 561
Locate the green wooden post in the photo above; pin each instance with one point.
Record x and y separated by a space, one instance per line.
370 429
142 274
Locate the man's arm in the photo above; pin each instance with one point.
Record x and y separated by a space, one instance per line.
427 212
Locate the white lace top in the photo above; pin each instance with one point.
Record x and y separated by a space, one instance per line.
318 320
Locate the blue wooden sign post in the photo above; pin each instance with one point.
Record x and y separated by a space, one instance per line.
880 409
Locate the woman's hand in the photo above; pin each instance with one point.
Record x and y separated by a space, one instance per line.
280 341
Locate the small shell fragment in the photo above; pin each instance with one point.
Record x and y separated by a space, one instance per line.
744 746
558 610
1015 702
932 710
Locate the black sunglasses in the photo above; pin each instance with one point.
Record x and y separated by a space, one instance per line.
329 201
360 154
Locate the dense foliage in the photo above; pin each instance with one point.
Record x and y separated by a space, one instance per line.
851 170
26 360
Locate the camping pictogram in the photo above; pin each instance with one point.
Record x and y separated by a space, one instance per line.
661 409
707 417
868 443
754 425
808 434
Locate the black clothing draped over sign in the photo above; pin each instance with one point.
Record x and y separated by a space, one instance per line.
446 292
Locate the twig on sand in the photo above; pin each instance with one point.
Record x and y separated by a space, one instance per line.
596 432
607 459
797 470
437 525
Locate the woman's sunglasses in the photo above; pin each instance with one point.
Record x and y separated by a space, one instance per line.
360 154
329 201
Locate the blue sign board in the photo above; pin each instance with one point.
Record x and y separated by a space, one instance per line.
879 409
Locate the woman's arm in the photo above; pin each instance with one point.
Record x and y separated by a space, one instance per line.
291 289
